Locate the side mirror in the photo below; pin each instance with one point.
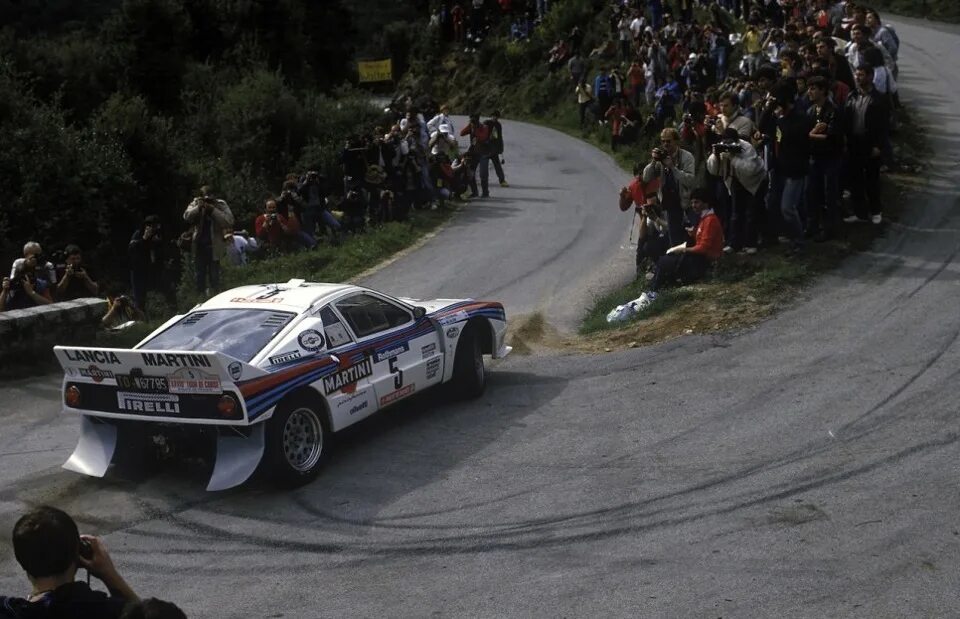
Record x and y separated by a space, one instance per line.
419 312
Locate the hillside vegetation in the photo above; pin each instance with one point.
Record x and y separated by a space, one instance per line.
114 109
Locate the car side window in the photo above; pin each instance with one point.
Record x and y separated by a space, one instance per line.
336 333
367 314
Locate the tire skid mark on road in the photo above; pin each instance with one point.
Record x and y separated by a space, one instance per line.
522 540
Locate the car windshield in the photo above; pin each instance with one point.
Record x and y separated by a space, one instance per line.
240 333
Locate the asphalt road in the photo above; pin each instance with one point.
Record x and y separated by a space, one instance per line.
807 467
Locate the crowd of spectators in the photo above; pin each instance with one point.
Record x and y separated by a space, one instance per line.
779 123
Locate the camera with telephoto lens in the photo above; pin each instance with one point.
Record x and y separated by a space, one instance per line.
86 549
727 147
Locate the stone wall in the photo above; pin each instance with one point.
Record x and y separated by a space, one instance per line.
39 328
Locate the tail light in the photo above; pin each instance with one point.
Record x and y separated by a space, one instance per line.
227 405
71 396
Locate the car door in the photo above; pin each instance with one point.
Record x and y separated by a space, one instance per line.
399 346
349 390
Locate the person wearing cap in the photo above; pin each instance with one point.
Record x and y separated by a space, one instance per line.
443 140
737 163
689 261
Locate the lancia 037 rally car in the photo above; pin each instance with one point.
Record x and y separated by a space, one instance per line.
271 372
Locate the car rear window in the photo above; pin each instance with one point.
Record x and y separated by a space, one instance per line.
240 333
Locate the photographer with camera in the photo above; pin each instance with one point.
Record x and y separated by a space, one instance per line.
49 548
675 169
737 163
75 281
274 230
45 269
689 260
652 240
122 312
208 217
291 206
316 211
25 289
149 269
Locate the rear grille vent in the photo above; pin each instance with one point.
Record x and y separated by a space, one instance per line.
193 319
275 320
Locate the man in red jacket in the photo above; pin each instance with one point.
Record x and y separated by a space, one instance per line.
689 261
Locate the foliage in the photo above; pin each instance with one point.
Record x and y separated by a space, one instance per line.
115 109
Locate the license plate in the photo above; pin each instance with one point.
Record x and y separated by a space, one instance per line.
142 384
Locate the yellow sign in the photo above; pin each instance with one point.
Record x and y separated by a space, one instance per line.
375 70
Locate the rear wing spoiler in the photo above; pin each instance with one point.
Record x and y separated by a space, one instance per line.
155 385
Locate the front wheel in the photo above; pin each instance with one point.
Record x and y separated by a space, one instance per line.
469 376
297 443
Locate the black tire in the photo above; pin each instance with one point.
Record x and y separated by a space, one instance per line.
298 441
469 375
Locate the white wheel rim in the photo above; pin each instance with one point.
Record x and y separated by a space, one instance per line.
302 440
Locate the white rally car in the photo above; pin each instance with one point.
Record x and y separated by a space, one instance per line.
272 371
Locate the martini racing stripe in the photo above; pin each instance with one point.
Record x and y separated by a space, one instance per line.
264 402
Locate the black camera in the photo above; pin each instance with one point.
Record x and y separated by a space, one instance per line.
688 119
727 147
272 216
86 549
658 154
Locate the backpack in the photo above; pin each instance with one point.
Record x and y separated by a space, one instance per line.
893 33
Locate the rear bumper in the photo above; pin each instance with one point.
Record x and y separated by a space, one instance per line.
110 402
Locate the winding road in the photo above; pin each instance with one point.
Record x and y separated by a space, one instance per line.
806 467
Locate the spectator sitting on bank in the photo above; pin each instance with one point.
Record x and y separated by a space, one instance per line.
558 54
689 262
240 246
75 280
274 230
50 549
25 289
122 312
44 268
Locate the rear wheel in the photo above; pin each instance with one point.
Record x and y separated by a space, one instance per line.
297 441
469 375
